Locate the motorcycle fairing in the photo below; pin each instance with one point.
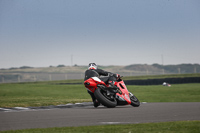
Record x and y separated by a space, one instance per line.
91 83
125 94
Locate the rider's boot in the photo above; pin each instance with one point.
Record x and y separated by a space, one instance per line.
130 94
96 103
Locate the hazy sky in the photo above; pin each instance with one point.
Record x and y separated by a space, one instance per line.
40 33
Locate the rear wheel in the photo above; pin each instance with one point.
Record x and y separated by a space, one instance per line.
105 99
134 101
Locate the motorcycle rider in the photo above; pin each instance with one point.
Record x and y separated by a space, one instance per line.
93 71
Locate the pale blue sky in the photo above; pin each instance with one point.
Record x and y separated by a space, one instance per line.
40 33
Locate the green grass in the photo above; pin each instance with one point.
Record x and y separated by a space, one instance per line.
51 93
163 127
41 94
175 93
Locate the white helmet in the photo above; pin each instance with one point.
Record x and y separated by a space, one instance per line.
92 66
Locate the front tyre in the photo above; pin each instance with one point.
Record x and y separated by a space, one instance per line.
134 101
107 100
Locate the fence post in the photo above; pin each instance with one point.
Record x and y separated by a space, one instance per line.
195 70
179 70
163 71
19 78
66 76
2 79
50 77
34 78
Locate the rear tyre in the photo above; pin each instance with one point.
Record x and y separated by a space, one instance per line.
104 99
134 101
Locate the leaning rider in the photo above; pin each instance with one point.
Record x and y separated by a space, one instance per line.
93 71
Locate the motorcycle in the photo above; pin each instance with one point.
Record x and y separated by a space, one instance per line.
111 96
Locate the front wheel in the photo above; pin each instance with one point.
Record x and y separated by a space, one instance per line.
134 101
107 100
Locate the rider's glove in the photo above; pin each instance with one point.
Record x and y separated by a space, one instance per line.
117 76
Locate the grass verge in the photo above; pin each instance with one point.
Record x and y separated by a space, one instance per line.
163 127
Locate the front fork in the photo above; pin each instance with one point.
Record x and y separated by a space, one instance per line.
130 94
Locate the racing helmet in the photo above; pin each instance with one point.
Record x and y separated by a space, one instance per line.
92 66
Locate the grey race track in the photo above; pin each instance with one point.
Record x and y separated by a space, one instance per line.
87 116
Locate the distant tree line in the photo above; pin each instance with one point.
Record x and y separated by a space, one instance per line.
180 68
23 67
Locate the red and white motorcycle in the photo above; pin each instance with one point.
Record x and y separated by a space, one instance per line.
111 97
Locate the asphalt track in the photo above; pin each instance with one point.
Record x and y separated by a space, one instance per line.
88 116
